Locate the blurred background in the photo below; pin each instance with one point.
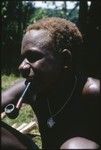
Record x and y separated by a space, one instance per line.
17 15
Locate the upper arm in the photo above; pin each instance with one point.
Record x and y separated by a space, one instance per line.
91 88
79 143
12 94
91 100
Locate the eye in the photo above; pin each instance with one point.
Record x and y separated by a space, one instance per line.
34 56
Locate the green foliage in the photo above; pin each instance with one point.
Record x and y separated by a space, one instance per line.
7 81
39 14
43 13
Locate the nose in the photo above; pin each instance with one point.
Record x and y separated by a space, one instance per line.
24 68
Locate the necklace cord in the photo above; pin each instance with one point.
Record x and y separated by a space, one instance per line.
71 94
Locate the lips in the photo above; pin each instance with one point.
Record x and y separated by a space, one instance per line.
32 79
29 79
35 85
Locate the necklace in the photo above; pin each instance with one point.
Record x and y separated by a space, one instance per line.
51 122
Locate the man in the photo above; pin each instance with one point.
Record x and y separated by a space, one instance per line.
65 102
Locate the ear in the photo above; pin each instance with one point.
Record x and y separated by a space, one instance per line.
66 58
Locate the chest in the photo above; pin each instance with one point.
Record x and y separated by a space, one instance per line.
65 123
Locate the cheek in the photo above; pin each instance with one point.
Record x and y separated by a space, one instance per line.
40 65
46 71
46 67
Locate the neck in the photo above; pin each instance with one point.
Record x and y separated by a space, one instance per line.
64 83
60 93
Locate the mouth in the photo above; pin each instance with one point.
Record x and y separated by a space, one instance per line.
29 79
33 80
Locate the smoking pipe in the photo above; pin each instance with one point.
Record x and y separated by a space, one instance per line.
11 110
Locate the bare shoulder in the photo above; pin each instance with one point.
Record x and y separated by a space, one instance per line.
79 143
91 87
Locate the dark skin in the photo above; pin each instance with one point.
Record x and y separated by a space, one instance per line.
47 72
20 141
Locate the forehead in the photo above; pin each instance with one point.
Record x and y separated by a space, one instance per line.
39 39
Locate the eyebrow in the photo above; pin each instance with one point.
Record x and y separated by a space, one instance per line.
36 50
33 50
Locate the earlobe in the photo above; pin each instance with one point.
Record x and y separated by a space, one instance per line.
66 57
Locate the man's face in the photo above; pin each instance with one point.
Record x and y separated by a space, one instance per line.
40 65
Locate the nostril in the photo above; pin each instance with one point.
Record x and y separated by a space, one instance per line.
25 70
